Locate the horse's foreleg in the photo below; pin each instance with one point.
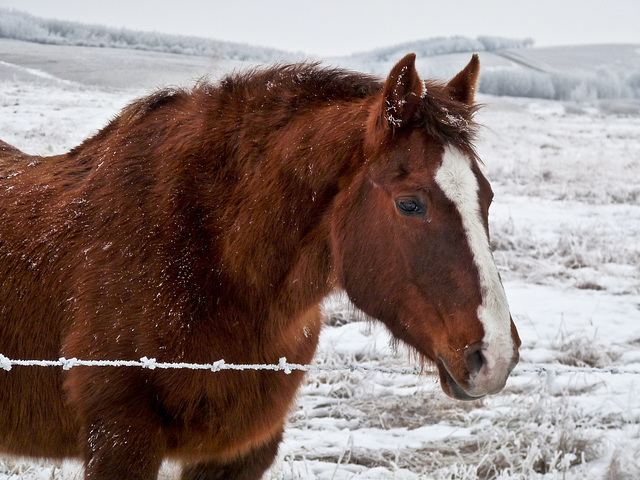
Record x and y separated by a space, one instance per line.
250 466
113 452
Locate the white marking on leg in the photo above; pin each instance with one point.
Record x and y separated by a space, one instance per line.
458 182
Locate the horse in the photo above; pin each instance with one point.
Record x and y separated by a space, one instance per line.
210 223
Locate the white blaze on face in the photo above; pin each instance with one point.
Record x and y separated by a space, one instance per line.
458 182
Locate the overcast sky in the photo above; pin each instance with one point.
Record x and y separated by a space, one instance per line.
338 27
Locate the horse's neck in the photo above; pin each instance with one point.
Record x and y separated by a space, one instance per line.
277 245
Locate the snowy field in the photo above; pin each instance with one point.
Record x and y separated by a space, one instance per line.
566 233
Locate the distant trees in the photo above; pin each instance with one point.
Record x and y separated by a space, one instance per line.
500 43
579 87
516 82
446 45
22 26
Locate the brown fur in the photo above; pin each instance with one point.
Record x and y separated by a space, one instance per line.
209 224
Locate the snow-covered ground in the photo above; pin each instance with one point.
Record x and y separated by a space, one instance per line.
566 233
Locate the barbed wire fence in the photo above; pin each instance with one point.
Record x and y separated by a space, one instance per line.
286 367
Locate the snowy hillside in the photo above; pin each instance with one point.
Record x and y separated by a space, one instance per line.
565 231
510 66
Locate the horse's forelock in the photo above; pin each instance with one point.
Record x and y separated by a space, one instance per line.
447 121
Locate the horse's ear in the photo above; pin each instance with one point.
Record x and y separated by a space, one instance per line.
463 86
401 94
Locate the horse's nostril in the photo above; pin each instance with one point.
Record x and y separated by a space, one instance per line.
474 358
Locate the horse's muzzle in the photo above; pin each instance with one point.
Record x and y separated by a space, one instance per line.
482 373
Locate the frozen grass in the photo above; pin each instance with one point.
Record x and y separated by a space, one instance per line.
535 429
567 207
580 349
586 252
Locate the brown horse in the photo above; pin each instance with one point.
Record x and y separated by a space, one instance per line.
209 224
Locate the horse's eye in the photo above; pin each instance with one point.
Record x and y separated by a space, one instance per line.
411 206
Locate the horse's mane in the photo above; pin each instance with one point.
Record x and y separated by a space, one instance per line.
445 119
302 86
306 81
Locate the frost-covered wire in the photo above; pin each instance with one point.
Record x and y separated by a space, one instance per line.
286 367
563 369
151 363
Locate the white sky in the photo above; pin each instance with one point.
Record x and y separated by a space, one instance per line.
338 27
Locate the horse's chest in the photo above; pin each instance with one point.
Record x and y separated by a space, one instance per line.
246 410
237 410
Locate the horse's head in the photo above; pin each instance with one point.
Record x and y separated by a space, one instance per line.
410 233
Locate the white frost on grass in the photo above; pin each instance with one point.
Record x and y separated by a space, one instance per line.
51 118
